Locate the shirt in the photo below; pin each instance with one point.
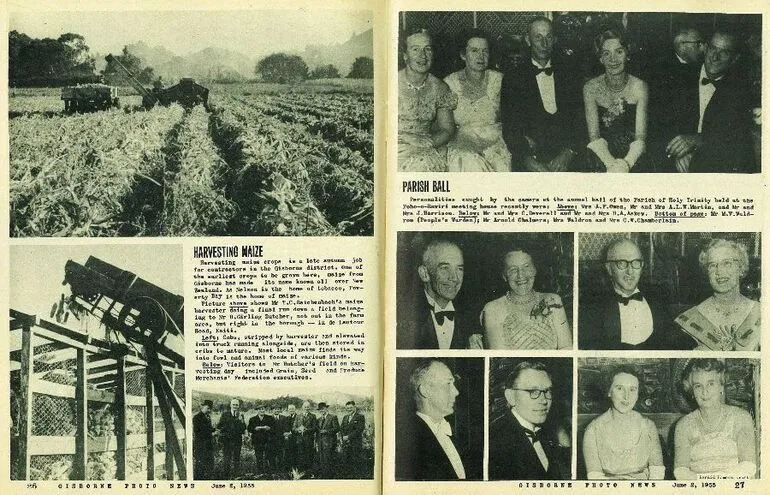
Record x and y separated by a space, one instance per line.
635 321
705 92
538 446
445 332
547 88
442 431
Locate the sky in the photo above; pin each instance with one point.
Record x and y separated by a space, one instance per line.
37 271
250 32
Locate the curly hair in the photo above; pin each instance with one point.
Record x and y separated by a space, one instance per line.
702 364
405 35
610 374
742 254
610 33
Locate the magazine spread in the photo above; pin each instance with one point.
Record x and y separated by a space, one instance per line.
383 247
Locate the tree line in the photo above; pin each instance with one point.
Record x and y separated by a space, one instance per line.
68 60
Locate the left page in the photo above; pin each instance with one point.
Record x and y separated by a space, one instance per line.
190 252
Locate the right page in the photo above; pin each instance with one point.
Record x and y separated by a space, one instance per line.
574 263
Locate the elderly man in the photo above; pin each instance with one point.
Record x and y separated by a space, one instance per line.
432 321
352 433
425 449
721 142
541 107
260 428
304 431
203 442
231 426
624 317
519 447
328 427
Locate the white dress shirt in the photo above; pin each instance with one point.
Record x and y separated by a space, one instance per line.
445 332
546 87
705 92
635 321
442 431
538 446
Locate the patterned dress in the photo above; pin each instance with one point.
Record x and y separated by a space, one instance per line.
536 328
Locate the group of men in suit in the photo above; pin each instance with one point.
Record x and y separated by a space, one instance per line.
520 446
281 442
700 114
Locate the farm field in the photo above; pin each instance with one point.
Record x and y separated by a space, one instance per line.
261 160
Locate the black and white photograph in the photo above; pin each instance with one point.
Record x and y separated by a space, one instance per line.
474 290
297 433
530 419
170 123
670 291
663 92
97 363
654 418
439 424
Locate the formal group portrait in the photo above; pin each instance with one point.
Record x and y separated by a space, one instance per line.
267 436
670 291
579 91
530 419
439 422
683 419
473 290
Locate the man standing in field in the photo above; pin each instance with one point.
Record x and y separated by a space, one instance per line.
231 427
203 442
352 432
328 426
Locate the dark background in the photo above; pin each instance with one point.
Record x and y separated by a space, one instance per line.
483 279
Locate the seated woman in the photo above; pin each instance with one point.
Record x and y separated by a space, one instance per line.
727 320
616 108
478 145
523 318
621 443
425 105
716 439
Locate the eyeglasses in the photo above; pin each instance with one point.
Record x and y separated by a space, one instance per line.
730 264
623 264
535 393
694 42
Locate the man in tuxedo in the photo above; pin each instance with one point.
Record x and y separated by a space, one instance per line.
203 442
231 426
304 431
431 320
328 426
519 447
721 141
624 318
425 449
352 433
541 107
260 428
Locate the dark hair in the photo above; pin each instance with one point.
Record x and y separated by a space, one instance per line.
702 364
350 403
539 18
612 372
525 365
468 34
517 248
610 33
404 35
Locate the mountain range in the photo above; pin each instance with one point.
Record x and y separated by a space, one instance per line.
212 63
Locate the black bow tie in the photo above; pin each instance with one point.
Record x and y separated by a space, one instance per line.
706 81
548 70
637 296
440 315
533 435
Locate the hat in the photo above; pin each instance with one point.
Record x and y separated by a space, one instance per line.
207 403
322 405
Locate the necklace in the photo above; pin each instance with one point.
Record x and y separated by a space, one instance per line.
616 90
519 300
724 310
416 87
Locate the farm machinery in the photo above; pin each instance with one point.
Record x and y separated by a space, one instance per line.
89 97
187 93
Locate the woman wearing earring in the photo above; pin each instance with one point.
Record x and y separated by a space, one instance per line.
621 443
616 108
716 439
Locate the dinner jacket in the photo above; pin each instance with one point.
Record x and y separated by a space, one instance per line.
415 329
512 456
419 456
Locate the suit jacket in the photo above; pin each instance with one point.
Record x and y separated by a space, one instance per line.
419 456
328 426
726 131
353 426
202 432
415 330
310 422
522 113
512 456
231 428
673 99
261 436
599 326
